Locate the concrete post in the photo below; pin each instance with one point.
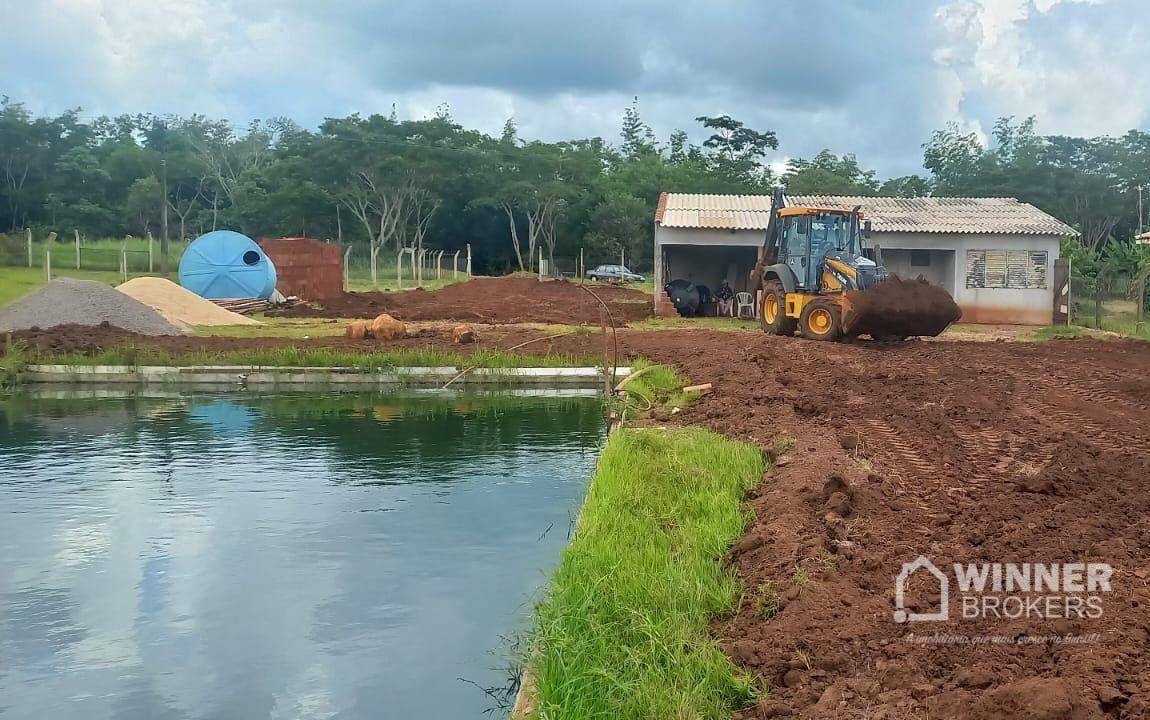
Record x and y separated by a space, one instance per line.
77 233
29 247
346 264
455 265
468 259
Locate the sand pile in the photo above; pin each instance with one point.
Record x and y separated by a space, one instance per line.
66 301
179 305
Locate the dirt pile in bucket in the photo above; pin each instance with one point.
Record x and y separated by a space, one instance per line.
65 301
899 308
179 305
488 300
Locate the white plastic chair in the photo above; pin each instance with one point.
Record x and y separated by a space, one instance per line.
747 301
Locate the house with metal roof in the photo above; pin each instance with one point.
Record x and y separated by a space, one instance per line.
995 256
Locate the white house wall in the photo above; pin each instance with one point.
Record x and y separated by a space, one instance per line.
987 305
979 305
700 238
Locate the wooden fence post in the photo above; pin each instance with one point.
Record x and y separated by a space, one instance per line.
1141 305
1098 302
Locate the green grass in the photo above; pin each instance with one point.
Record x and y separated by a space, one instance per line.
12 363
1064 332
297 328
681 323
660 385
297 356
623 632
360 280
15 282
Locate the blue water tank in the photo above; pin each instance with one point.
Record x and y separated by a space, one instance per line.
225 264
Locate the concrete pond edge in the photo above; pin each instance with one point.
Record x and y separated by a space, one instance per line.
254 375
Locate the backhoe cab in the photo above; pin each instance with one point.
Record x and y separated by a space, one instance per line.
816 276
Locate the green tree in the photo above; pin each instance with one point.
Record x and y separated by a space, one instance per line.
738 151
828 174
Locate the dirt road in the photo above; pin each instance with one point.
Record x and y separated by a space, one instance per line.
960 452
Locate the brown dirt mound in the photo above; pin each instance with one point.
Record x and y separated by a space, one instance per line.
488 300
899 307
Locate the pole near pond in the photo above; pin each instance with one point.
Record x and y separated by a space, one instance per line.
164 218
1141 304
346 263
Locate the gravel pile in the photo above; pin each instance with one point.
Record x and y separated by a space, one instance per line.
180 306
82 302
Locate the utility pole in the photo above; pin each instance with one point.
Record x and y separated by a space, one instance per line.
1140 210
164 216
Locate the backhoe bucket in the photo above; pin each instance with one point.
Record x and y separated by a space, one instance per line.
898 308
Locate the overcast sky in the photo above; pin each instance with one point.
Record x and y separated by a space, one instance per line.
866 76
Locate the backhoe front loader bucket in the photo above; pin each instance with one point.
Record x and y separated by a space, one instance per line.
897 309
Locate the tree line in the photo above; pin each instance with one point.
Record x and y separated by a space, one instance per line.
384 183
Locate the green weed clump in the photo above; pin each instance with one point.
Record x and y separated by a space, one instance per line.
12 362
660 385
623 632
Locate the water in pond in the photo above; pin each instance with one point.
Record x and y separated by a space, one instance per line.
291 556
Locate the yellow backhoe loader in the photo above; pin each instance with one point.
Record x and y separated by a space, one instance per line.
816 276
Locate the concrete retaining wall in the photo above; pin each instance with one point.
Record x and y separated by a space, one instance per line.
229 375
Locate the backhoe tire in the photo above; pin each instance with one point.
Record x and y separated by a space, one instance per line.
773 312
821 320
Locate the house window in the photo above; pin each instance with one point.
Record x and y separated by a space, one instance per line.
920 258
1013 269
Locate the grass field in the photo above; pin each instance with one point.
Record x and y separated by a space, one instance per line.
623 632
16 282
311 357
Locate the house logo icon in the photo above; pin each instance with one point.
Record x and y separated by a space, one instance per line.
901 615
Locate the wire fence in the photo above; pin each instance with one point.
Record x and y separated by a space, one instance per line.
1117 303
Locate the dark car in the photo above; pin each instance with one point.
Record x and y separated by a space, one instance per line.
617 273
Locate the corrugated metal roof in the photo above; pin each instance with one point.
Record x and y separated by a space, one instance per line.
727 212
925 214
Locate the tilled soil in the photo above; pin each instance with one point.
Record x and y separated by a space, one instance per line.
489 300
959 451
